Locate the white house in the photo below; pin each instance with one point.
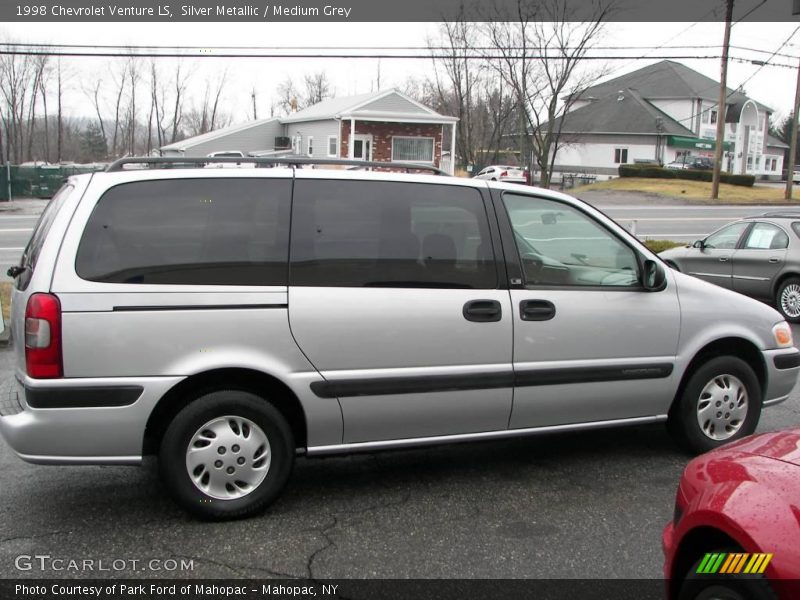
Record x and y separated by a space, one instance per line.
662 112
379 126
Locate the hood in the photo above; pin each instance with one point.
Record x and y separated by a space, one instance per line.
779 445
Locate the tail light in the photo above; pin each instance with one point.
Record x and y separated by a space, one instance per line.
43 355
504 174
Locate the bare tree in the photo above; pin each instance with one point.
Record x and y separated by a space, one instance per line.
288 96
318 88
545 88
179 88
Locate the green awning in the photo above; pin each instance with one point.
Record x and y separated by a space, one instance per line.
682 141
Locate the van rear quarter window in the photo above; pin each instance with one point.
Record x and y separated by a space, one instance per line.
189 231
31 254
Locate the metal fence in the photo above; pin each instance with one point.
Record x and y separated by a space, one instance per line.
37 182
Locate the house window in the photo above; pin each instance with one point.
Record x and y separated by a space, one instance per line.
310 147
620 155
774 166
333 145
412 149
712 117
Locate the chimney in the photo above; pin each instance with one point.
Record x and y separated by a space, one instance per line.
293 104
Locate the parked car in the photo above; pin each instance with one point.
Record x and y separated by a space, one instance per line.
734 530
503 173
229 320
693 162
796 175
758 256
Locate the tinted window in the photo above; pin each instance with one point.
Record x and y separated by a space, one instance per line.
764 236
560 245
31 254
387 234
189 231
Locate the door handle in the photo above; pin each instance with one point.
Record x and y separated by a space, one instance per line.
723 258
482 311
774 260
536 310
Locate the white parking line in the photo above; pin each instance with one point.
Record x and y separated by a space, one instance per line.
23 229
12 249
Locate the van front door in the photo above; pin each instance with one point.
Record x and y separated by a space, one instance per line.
590 344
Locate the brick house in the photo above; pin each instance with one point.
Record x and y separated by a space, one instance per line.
379 126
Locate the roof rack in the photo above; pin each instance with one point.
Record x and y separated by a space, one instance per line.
179 162
778 214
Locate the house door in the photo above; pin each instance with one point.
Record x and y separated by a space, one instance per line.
362 147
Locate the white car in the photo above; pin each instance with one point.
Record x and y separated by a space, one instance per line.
796 175
505 173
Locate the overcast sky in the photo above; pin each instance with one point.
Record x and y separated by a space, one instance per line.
772 86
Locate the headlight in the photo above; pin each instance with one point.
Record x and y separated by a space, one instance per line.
782 334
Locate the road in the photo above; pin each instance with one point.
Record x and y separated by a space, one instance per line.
15 231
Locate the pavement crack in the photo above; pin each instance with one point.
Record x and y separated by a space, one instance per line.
35 536
329 543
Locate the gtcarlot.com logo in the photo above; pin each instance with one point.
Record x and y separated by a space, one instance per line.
46 562
733 563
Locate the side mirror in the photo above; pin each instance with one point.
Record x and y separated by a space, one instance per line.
701 244
653 276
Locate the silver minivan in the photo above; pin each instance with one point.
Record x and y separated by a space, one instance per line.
230 320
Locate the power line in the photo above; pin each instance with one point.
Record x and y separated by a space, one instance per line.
262 55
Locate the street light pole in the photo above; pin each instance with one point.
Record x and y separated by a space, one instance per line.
723 93
793 141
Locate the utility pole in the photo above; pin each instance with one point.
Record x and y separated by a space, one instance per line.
723 94
793 141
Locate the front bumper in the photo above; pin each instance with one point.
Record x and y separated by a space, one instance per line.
783 368
79 434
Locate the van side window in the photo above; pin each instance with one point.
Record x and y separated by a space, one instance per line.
560 245
390 234
195 232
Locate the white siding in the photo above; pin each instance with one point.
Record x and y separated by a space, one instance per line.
597 152
252 139
319 130
681 110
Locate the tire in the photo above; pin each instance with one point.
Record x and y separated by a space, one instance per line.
719 383
787 299
227 455
740 586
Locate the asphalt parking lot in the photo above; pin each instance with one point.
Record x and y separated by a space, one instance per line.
584 505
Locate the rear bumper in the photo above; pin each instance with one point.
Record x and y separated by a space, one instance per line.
783 368
91 427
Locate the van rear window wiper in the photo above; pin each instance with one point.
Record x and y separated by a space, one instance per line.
16 271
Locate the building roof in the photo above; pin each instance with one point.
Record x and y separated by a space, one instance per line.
625 112
213 135
367 106
372 106
667 79
774 142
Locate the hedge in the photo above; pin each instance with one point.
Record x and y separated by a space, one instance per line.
650 171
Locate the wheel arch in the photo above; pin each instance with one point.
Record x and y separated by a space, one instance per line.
729 346
694 545
248 380
779 281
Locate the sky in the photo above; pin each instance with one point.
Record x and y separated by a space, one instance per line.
771 85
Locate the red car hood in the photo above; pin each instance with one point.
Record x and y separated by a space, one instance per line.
779 445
